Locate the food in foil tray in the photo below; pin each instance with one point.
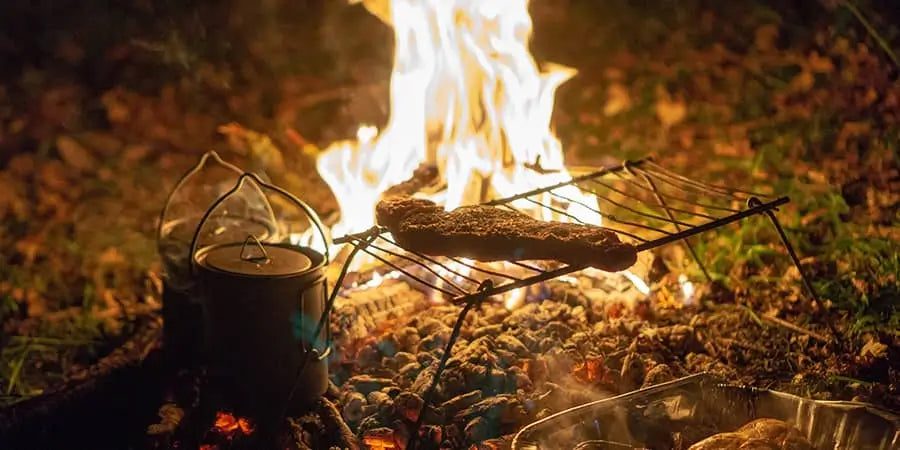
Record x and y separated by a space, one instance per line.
760 434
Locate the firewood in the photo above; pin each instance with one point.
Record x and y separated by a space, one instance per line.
337 429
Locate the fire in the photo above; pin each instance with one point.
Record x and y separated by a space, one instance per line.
380 439
229 425
687 289
468 97
592 370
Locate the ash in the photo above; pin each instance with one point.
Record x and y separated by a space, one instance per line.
507 369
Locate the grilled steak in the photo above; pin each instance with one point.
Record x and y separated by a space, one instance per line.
487 233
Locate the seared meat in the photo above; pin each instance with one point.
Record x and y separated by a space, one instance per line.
487 233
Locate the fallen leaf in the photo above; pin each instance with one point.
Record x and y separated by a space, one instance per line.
874 349
105 143
135 152
22 165
803 82
670 112
819 63
617 100
75 154
52 175
765 37
111 256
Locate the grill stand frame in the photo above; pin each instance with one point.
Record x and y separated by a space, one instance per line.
486 288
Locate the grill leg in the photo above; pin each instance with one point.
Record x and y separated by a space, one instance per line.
426 399
752 202
687 243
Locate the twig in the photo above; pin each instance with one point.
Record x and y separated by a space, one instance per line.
338 93
746 345
796 328
850 380
872 32
754 316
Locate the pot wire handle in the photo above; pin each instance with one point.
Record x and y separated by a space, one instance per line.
310 213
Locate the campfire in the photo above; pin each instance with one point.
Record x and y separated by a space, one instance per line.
456 276
470 124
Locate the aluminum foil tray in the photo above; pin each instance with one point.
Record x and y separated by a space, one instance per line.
678 413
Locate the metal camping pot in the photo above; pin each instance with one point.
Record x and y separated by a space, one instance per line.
262 302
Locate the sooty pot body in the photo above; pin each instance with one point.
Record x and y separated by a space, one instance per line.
258 320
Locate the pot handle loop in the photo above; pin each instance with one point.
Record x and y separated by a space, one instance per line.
261 256
310 213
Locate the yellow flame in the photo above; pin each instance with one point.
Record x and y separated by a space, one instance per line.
687 289
638 282
467 96
455 272
514 298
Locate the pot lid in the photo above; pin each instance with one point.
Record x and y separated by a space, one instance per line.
254 258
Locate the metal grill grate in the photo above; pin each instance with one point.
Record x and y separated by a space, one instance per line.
641 201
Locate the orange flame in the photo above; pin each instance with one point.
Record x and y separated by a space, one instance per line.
380 439
467 96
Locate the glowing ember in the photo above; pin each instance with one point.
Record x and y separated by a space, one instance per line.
380 439
230 426
467 97
592 370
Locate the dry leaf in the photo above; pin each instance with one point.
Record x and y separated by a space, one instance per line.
874 349
135 152
803 82
116 104
617 100
111 257
765 37
670 112
52 175
820 64
75 154
21 165
105 143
